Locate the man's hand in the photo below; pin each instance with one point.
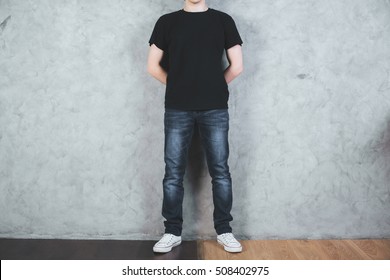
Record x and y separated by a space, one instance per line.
154 68
234 56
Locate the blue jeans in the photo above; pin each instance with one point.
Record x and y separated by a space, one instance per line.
213 129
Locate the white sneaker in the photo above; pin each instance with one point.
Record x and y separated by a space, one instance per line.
230 244
166 243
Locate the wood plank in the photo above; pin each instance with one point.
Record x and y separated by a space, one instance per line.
299 250
214 250
304 250
336 250
348 252
384 245
326 250
374 249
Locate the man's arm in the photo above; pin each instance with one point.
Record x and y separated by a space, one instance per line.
234 56
154 68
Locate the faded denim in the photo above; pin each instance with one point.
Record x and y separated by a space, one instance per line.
213 129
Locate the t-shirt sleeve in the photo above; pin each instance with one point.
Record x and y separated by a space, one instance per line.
158 37
232 37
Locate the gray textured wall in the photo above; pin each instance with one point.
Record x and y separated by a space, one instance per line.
81 122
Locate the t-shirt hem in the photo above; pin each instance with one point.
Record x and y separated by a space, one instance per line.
157 45
232 45
195 108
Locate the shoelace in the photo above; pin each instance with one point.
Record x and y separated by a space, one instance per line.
228 237
166 238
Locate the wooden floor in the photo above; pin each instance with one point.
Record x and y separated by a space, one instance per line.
57 249
65 249
359 249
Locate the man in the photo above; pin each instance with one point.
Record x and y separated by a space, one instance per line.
191 41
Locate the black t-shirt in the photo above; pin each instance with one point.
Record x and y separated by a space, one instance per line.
193 45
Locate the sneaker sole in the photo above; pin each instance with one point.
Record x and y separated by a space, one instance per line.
166 249
230 249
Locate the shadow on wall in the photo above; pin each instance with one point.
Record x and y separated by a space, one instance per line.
197 189
386 152
377 153
380 151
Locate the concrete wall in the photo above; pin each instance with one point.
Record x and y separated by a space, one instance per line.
81 121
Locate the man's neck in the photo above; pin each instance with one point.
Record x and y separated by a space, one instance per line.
197 7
